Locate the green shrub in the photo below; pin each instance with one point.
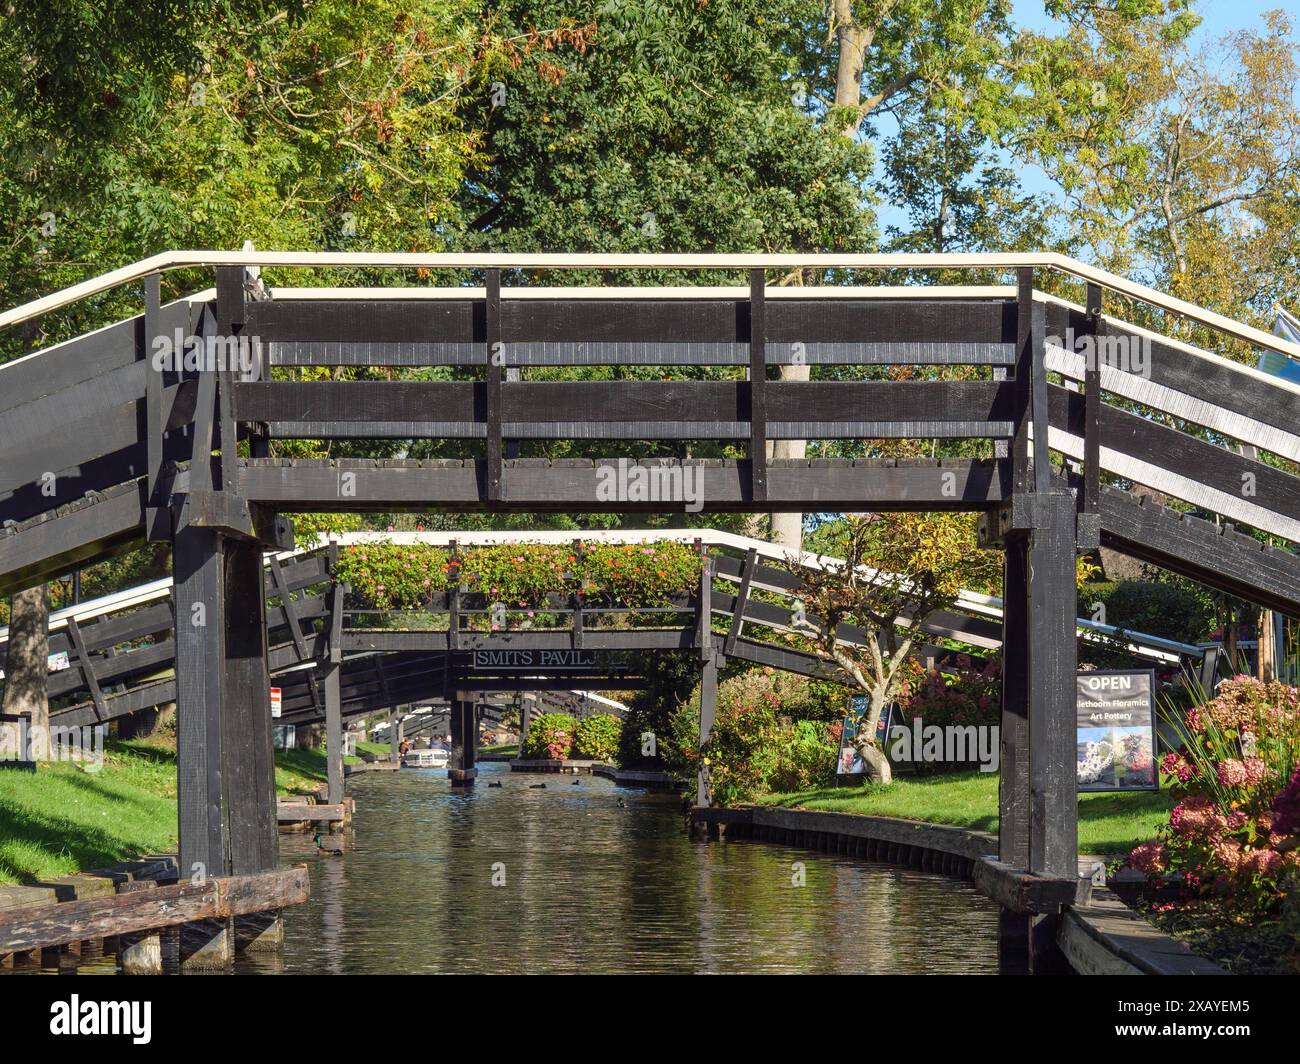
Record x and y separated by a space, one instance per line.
968 695
805 757
598 737
550 737
770 733
1161 609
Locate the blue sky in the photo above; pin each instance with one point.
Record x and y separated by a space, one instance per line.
1218 18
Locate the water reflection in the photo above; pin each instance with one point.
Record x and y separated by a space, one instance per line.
600 879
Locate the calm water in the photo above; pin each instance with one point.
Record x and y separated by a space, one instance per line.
594 886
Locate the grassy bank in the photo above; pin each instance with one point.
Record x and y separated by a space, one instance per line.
1109 824
64 819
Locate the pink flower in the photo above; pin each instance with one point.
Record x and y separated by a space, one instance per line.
1286 808
1232 773
1261 862
1148 858
1256 771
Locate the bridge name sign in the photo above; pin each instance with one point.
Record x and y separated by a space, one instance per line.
536 659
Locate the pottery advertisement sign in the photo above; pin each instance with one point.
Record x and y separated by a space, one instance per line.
1115 714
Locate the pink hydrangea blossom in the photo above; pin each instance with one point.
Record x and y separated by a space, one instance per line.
1231 772
1148 858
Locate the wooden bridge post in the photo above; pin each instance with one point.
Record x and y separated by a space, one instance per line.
225 768
464 739
333 691
708 670
1038 529
525 718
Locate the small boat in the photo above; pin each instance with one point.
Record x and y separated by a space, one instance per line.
433 757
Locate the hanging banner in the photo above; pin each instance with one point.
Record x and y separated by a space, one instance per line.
1115 717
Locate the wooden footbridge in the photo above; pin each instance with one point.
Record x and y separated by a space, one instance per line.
108 443
121 648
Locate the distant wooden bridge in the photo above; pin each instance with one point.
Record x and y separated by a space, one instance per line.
105 447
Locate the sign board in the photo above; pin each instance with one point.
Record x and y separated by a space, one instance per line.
276 702
850 762
542 661
1115 717
58 662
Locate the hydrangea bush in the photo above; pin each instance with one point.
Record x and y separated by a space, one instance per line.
550 737
1234 835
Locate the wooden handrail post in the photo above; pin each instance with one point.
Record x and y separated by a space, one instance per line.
495 365
757 386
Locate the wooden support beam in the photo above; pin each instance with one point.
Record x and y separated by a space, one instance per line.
708 713
704 606
1092 428
333 734
290 608
248 767
198 594
577 604
1013 785
1023 377
453 598
742 600
86 666
757 387
464 739
155 416
226 782
333 693
495 367
1024 892
1053 830
1039 411
539 485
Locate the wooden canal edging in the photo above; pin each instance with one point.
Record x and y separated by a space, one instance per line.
1098 934
1106 937
371 766
548 765
130 916
646 779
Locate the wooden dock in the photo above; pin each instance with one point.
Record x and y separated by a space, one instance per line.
129 917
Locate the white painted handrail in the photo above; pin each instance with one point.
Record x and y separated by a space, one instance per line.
177 260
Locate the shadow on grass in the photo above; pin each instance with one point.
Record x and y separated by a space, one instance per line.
84 846
159 755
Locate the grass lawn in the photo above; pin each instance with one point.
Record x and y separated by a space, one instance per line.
63 819
513 751
1108 823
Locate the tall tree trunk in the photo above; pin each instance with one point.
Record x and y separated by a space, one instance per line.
852 40
877 761
27 671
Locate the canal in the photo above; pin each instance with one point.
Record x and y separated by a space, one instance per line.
595 878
